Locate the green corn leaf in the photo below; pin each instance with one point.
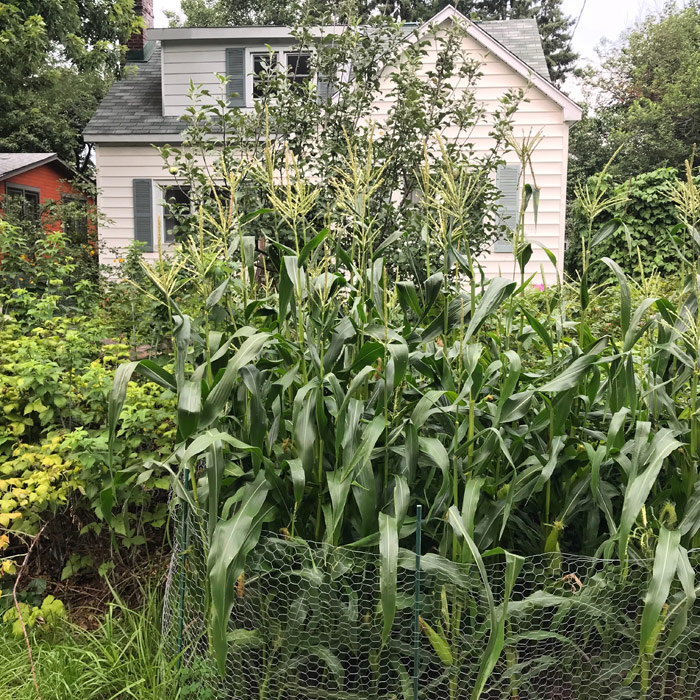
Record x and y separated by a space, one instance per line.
498 290
686 575
406 292
388 558
215 474
665 565
117 396
218 397
304 424
233 539
625 294
296 469
215 297
189 405
155 373
470 502
606 231
571 376
432 288
639 487
539 329
314 243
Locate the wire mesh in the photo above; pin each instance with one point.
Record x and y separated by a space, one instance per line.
307 624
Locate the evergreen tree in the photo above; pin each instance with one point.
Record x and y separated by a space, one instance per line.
555 30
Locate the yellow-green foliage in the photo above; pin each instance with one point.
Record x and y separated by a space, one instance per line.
46 616
54 382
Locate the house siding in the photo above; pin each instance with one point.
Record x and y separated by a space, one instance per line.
200 61
549 161
45 178
116 171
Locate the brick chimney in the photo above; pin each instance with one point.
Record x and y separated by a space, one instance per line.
138 44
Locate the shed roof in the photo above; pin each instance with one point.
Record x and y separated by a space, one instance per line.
16 163
133 106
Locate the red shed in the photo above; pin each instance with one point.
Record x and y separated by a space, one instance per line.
36 178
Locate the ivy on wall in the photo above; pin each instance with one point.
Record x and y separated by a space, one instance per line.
648 215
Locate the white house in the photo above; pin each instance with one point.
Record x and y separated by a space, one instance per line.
144 110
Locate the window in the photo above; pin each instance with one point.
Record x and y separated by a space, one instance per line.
75 217
296 65
263 66
26 200
176 205
298 68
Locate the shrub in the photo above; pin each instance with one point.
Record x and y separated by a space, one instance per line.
643 245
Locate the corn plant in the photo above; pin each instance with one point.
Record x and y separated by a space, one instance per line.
327 406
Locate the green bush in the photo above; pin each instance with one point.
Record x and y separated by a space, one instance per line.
644 242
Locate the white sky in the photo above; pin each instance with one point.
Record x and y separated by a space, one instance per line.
601 19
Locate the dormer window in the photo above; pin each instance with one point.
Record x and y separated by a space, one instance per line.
295 64
298 67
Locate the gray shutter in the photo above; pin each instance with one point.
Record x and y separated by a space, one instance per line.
507 180
235 69
324 87
143 212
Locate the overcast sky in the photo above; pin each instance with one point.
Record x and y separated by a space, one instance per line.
600 19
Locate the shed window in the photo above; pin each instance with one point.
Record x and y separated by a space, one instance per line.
26 200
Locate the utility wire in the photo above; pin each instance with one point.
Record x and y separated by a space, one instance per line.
578 19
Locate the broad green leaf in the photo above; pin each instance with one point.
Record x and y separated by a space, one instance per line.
637 492
215 297
665 564
233 539
497 291
189 406
218 397
388 557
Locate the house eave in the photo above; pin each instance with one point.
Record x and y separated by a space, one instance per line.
50 158
132 138
262 33
572 112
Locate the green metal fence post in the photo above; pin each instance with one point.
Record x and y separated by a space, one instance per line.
416 605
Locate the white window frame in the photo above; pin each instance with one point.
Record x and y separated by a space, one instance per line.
282 52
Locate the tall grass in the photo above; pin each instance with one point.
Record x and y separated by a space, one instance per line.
122 659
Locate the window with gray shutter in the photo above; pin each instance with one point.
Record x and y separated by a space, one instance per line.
508 180
235 69
143 213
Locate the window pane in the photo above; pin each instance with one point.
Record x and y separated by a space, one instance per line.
177 201
263 65
299 66
27 202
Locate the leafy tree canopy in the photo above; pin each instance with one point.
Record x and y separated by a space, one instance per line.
58 59
555 26
646 98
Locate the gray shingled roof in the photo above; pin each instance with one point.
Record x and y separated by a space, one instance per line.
11 163
133 106
522 38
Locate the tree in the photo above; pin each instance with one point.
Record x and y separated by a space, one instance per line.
554 25
58 60
646 96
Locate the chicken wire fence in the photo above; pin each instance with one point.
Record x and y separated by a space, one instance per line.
307 624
